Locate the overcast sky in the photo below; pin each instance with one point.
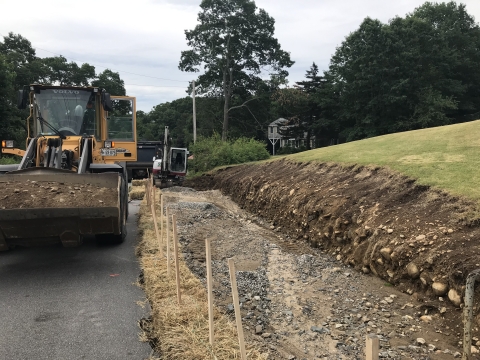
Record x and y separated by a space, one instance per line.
142 39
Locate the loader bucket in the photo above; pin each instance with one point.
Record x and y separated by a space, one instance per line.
44 206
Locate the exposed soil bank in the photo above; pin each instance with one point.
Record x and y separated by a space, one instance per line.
419 239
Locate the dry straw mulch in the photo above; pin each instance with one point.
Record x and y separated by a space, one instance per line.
181 332
137 192
138 182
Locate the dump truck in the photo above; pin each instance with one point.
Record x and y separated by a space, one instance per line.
72 179
147 152
171 168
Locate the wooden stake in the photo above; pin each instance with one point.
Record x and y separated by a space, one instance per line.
154 188
238 315
372 347
154 213
161 220
168 243
147 192
175 247
152 196
209 289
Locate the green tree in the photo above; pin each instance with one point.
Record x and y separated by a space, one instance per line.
414 72
232 43
20 54
292 105
300 106
57 70
7 80
19 66
177 115
111 82
19 57
455 57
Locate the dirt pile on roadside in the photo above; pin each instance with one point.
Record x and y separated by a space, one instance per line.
419 239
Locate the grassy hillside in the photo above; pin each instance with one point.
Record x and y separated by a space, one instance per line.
446 157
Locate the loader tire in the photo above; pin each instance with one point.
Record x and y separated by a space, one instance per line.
113 238
118 239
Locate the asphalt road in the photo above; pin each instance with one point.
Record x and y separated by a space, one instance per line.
72 303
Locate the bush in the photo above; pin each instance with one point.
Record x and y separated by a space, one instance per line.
6 160
212 152
290 150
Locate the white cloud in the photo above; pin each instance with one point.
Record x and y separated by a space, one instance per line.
146 36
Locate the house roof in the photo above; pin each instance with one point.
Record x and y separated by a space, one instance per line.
279 121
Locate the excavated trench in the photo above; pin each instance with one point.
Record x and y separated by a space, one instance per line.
421 240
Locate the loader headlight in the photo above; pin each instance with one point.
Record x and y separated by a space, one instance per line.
7 144
109 144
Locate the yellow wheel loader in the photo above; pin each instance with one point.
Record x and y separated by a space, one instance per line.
72 179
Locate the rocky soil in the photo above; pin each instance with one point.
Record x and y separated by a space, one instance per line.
304 302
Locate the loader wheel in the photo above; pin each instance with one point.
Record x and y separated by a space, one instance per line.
118 239
112 238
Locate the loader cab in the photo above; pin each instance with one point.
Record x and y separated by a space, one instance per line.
120 130
67 111
79 113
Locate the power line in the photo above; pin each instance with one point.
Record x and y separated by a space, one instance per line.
182 87
103 67
125 72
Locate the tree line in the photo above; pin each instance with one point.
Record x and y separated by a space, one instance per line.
413 72
20 66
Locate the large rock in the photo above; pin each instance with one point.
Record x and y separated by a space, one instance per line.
413 271
439 288
385 252
426 318
425 278
454 297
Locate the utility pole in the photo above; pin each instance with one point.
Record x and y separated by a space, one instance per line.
194 114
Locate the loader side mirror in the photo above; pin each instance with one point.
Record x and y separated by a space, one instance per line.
22 98
107 102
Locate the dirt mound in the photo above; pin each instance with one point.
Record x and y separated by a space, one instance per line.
420 239
48 194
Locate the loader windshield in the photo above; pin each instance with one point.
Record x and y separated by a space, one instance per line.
72 112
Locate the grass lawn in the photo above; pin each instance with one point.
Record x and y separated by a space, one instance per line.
446 157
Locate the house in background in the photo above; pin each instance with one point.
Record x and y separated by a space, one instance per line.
279 126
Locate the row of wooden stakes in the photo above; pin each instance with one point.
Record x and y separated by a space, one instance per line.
150 191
